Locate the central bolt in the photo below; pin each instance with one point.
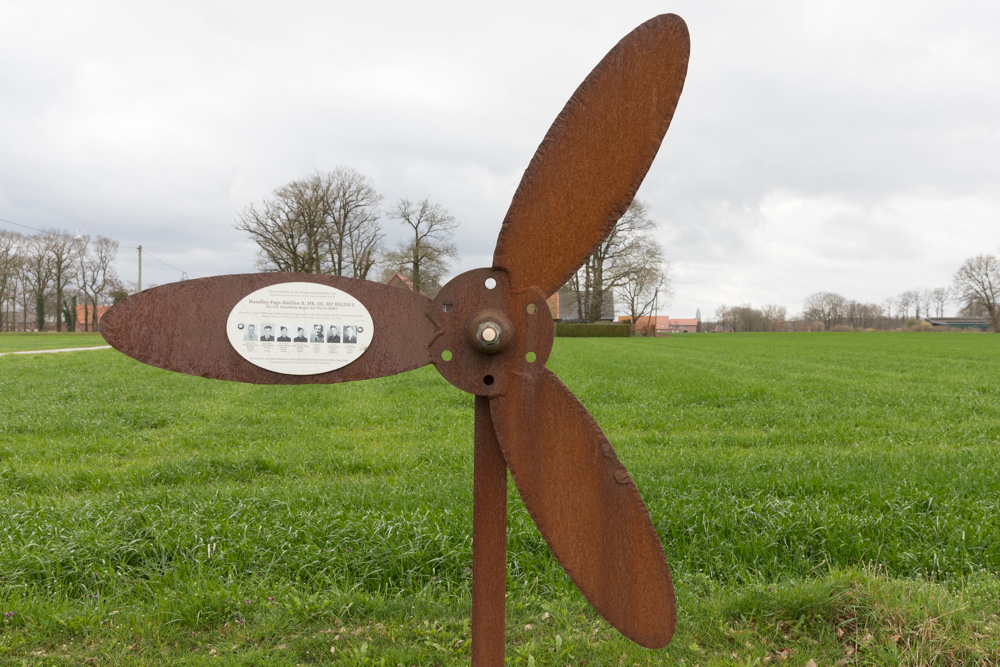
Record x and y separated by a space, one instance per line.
489 334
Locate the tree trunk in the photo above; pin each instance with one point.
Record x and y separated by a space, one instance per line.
40 311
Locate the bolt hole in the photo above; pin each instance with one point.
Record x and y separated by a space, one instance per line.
532 309
531 356
490 283
446 355
446 306
488 380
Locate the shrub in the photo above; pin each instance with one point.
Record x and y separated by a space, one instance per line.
573 330
913 324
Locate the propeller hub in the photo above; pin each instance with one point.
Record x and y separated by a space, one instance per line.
490 332
487 330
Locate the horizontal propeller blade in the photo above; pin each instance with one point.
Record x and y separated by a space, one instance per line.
586 506
593 159
183 327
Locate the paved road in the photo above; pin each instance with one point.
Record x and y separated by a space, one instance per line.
66 349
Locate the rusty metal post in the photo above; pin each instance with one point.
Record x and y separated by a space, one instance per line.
489 543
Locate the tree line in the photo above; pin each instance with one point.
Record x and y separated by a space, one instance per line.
331 222
975 290
45 276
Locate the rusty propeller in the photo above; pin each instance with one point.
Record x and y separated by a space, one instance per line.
489 332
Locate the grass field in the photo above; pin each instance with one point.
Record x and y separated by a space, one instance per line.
19 342
824 497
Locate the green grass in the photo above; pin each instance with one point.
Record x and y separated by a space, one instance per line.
820 496
18 342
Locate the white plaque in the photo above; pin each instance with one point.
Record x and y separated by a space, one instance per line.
300 328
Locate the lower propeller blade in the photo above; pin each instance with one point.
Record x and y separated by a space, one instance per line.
183 327
586 506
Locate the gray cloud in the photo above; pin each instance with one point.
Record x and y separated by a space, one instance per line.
848 147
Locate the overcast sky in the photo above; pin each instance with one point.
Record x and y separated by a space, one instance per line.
851 147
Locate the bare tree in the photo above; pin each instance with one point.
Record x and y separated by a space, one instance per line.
10 264
24 286
827 307
939 298
620 255
426 255
905 301
724 317
774 317
977 284
889 304
38 276
324 223
646 287
96 274
62 250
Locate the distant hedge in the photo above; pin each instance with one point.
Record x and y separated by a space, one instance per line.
570 330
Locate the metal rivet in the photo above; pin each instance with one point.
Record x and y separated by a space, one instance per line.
532 309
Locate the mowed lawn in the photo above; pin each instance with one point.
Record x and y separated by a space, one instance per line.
18 342
821 497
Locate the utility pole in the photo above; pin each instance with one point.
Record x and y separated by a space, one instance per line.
140 269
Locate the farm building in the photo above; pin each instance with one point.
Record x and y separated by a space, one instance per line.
662 324
977 323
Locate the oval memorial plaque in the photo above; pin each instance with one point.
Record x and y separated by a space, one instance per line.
300 328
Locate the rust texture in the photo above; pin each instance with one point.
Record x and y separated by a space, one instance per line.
593 159
182 327
586 506
466 301
489 332
489 541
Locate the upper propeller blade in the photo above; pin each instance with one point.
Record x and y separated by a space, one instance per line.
586 506
182 327
593 159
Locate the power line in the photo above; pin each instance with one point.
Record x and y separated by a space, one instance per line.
164 263
42 231
11 222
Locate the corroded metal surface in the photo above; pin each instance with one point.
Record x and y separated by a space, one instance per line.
465 303
489 541
593 159
182 327
489 332
586 506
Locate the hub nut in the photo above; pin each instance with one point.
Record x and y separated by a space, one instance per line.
489 334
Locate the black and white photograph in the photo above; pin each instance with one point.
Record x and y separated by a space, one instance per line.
333 334
267 335
350 334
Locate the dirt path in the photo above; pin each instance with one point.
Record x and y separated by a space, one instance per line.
65 349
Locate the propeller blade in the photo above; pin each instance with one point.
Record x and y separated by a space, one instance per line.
183 327
593 159
586 506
